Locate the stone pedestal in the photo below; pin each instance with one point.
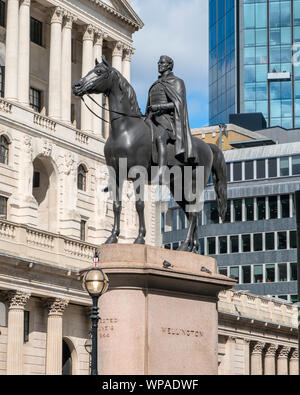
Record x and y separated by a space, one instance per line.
158 320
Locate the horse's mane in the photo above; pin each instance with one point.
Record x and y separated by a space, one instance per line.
128 92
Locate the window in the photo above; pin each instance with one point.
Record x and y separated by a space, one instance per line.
281 241
249 204
82 230
285 206
272 167
234 273
273 207
246 243
3 207
227 218
258 273
223 271
2 13
261 208
282 272
214 214
175 246
174 219
81 178
234 244
296 165
293 239
293 270
237 210
270 241
201 246
284 167
249 171
260 169
246 274
4 150
228 166
162 222
257 240
237 171
270 273
36 179
223 245
211 243
36 31
26 326
35 99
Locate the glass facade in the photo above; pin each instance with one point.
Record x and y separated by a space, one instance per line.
269 34
221 60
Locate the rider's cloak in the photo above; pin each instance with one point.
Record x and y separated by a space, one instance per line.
175 90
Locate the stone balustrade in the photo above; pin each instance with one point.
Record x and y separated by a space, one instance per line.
44 122
260 308
5 106
37 245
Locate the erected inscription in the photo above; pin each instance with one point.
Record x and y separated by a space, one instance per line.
107 326
181 332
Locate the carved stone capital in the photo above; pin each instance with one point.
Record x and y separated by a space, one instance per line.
88 33
117 49
271 350
25 3
56 306
99 36
128 52
284 352
257 348
17 300
295 354
68 19
56 15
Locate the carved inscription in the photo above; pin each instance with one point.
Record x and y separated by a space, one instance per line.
107 327
181 332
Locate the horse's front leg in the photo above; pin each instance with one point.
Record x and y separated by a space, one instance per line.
189 241
117 208
140 208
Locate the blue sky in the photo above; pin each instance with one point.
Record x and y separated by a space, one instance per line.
178 28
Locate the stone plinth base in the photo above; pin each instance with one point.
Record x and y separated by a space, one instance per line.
157 320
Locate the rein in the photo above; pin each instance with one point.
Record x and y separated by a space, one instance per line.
104 108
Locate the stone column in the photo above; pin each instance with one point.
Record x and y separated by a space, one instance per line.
24 52
294 368
66 68
126 63
12 50
55 64
15 339
256 359
270 361
117 55
97 123
282 361
87 65
54 335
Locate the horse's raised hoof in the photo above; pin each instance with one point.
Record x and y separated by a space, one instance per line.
113 239
139 240
184 247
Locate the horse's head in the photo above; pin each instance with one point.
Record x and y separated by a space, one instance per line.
98 80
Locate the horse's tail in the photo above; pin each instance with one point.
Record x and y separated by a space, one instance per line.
219 174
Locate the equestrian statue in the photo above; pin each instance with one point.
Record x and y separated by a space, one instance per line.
159 140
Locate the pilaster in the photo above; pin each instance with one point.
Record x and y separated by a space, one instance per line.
270 360
256 359
282 361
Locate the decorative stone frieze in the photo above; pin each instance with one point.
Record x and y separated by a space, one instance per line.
47 148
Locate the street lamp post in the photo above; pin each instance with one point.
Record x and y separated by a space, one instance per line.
95 282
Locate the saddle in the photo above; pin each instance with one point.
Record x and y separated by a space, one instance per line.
171 161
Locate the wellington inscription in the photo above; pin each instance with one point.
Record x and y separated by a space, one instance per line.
181 332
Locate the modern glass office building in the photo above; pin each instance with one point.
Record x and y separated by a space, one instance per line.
256 244
254 60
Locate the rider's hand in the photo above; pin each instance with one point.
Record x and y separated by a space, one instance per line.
154 107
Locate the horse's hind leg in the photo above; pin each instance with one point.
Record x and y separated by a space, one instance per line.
189 240
196 243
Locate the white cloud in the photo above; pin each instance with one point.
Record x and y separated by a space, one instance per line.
178 28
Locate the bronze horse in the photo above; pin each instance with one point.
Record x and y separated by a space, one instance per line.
131 138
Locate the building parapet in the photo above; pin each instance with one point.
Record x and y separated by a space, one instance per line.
258 308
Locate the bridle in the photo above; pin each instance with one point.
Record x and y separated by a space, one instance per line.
104 108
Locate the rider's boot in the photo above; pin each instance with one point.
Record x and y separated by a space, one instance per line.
162 160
